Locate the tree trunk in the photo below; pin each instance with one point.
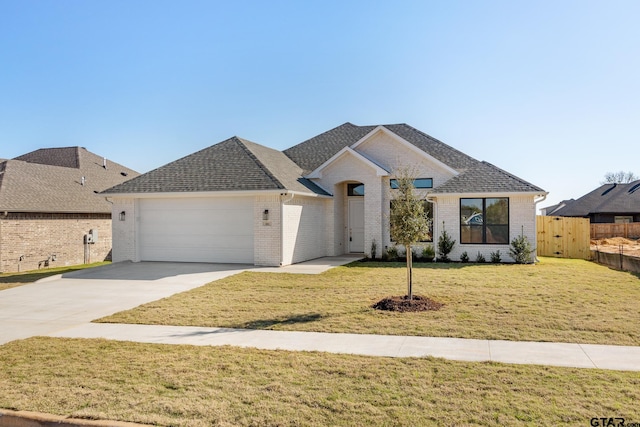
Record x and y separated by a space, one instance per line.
409 255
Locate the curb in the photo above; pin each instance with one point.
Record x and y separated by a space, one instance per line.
10 418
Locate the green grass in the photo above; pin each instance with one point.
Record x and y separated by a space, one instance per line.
204 386
11 280
555 300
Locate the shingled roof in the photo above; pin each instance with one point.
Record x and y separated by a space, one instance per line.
231 165
313 152
51 180
484 177
606 199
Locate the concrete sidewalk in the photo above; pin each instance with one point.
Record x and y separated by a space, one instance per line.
536 353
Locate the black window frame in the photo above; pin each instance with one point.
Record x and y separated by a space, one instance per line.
351 189
393 183
485 226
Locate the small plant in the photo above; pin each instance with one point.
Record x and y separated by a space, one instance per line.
392 253
521 250
496 257
464 257
374 249
428 253
480 258
445 245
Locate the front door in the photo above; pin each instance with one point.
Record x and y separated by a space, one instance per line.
356 225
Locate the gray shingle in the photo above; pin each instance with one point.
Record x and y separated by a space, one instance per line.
313 152
484 177
33 186
231 165
606 199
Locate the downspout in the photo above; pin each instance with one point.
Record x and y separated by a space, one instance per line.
535 221
430 199
282 203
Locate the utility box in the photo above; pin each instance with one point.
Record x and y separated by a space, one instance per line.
92 237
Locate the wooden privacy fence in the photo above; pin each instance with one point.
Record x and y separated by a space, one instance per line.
563 237
628 231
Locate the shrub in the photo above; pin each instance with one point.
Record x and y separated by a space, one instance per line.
374 249
445 245
428 253
464 257
480 258
392 254
521 250
496 257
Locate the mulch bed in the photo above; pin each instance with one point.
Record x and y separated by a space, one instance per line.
403 304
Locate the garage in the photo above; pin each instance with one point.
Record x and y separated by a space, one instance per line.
212 229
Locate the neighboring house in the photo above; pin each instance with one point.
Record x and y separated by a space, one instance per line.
609 203
49 202
241 202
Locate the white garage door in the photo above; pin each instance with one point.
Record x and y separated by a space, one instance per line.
197 230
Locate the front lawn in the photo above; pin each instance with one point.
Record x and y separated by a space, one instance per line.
554 300
11 280
204 386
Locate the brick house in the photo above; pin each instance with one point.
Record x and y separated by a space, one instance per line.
238 201
610 203
49 202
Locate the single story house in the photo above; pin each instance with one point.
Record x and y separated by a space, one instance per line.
49 204
241 202
609 203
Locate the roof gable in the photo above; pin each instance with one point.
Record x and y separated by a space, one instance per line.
348 151
312 153
399 140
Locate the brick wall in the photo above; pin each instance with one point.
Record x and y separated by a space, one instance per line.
335 177
36 237
124 232
304 229
521 220
266 234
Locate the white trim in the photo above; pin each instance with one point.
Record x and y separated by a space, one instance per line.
187 194
407 144
317 173
487 194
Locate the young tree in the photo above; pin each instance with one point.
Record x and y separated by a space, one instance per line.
408 221
620 177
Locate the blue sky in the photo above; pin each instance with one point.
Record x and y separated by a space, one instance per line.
548 90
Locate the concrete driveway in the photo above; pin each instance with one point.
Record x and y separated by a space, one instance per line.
61 302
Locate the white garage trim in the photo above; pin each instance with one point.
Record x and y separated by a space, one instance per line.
205 229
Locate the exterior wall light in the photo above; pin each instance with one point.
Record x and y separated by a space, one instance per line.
122 215
265 215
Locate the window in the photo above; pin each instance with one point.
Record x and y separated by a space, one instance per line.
428 212
355 190
623 219
484 220
417 183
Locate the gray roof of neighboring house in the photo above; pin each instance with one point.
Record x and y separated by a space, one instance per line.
608 198
50 180
486 178
231 165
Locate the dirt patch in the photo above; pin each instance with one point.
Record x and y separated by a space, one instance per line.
615 244
404 304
